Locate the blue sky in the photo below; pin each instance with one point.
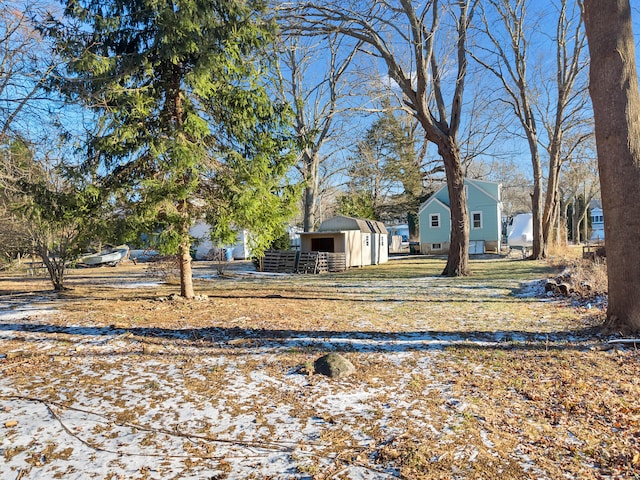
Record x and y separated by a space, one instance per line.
512 147
360 123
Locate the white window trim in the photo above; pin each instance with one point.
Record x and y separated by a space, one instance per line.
431 216
472 220
436 246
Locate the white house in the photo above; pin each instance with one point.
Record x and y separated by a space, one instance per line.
398 238
597 225
201 233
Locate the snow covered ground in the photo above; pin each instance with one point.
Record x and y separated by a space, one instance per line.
106 405
85 400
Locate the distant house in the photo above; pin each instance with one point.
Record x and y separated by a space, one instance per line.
597 225
203 246
484 205
398 238
364 242
401 231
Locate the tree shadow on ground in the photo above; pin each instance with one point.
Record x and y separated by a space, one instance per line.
234 339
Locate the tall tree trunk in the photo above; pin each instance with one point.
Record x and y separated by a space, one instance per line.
184 249
536 195
574 222
616 106
551 210
308 215
458 258
184 254
414 226
186 276
536 210
559 229
312 167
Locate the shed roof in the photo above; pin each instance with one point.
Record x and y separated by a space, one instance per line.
341 223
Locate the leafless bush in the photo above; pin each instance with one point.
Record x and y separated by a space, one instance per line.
591 275
219 256
164 267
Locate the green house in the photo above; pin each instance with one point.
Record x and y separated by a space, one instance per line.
485 217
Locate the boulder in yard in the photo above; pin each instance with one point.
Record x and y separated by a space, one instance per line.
334 365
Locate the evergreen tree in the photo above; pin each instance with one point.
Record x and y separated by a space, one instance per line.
386 173
178 87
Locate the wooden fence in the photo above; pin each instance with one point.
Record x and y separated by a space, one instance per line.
289 261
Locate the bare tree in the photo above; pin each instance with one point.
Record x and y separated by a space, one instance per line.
14 231
565 120
25 64
514 184
579 181
412 42
313 82
511 69
507 57
616 106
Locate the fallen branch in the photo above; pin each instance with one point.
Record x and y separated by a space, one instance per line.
624 341
288 447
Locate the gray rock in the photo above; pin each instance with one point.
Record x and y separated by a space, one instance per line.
334 365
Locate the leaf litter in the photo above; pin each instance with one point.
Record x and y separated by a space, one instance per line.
480 377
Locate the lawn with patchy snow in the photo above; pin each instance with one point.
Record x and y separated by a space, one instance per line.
478 377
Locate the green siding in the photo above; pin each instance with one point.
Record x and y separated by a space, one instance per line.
481 197
435 235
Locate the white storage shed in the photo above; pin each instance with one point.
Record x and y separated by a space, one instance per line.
364 242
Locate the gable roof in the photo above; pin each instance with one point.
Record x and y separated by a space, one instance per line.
483 186
433 199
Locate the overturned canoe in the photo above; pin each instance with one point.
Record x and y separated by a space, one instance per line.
110 257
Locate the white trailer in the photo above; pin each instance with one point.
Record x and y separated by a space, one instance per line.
520 236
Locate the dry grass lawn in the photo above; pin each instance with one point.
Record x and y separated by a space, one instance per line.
456 378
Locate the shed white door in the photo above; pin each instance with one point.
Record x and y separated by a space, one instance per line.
366 249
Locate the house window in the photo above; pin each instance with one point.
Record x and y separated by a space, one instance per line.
476 220
434 220
436 246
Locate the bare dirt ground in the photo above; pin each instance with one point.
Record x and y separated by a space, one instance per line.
481 377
